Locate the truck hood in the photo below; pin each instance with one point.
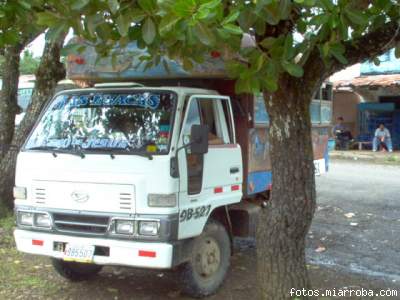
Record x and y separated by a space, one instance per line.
95 183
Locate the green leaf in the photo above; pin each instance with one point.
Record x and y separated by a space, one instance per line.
270 84
79 4
337 50
293 69
54 32
327 5
233 29
325 49
376 61
357 17
123 25
397 51
184 8
47 19
148 31
260 62
187 64
272 15
210 5
167 24
268 42
113 5
136 15
148 5
204 34
310 2
285 7
231 17
71 49
25 4
288 50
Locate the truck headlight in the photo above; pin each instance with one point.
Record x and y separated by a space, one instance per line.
149 227
19 192
124 227
25 218
161 200
42 220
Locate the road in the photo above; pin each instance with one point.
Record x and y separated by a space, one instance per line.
368 242
358 251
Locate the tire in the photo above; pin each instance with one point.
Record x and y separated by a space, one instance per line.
74 271
209 262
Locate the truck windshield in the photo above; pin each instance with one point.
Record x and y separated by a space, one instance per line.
132 121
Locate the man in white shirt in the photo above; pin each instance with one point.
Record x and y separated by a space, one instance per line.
382 136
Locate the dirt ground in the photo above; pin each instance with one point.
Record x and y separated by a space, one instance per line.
353 244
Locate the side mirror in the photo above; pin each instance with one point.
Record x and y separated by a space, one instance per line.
199 139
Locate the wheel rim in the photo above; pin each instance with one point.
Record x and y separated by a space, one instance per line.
208 258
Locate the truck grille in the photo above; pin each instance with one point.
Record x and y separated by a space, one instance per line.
81 223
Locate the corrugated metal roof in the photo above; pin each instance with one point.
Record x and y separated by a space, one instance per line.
374 80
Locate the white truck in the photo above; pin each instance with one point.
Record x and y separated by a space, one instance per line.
146 176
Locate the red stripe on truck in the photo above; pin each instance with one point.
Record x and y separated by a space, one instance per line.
144 253
218 190
37 242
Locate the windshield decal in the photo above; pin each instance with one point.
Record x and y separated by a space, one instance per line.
129 121
144 100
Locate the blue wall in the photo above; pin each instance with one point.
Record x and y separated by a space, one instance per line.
389 65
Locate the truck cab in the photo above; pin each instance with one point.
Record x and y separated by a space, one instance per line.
124 174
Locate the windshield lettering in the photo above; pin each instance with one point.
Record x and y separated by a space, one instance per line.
133 121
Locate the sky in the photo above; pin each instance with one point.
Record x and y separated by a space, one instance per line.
37 46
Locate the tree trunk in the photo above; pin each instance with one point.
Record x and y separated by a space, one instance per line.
50 71
9 95
8 103
285 221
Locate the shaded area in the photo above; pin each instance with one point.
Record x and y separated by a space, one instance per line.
355 256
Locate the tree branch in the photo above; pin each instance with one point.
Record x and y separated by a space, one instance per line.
358 50
370 45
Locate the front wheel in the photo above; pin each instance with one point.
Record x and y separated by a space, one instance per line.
205 272
74 271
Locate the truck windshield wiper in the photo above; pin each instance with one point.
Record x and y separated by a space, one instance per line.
133 151
129 149
76 150
54 150
41 148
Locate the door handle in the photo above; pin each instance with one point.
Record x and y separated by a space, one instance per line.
234 170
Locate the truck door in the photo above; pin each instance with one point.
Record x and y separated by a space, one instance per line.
215 178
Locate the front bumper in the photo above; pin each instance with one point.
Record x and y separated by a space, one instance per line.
123 253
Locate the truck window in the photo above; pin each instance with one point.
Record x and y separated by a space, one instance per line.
213 115
194 161
139 121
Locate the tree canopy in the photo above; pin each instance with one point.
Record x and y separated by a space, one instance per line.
296 44
286 33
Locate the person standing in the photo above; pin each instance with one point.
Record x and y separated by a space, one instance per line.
382 136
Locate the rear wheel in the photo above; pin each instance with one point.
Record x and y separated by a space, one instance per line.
209 262
75 271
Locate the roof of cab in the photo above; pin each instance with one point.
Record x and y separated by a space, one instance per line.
126 87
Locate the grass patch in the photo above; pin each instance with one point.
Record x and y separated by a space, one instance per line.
22 274
6 227
392 158
7 223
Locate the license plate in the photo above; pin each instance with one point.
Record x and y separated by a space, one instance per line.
79 253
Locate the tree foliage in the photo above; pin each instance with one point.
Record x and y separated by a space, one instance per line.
285 32
28 63
295 45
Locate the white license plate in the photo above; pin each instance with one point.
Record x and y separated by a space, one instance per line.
79 253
